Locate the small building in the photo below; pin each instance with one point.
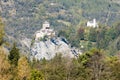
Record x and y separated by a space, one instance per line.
92 23
45 31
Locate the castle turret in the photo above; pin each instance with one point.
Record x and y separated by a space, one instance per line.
46 25
45 31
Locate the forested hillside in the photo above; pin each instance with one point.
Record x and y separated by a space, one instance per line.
98 56
94 64
68 17
24 17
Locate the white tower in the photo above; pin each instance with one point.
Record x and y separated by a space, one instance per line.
94 23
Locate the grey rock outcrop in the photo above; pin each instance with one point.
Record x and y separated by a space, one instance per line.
48 49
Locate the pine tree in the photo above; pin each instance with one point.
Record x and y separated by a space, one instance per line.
14 55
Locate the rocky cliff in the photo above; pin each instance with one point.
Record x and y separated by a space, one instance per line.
49 48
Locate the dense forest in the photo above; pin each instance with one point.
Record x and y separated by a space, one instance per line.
24 17
107 38
100 60
100 46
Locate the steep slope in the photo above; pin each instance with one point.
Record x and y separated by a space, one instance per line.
48 49
25 16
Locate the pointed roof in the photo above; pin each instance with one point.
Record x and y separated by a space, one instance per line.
46 22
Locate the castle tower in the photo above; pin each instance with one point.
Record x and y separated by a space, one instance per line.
45 31
46 25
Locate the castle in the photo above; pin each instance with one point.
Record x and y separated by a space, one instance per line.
45 31
92 23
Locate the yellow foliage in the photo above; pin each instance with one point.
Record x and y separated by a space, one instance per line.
23 69
4 66
1 31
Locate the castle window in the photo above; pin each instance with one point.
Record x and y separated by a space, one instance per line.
47 27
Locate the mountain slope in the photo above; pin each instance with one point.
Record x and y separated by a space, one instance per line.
25 16
48 49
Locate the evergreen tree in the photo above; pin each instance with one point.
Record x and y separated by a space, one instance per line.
92 35
14 55
80 33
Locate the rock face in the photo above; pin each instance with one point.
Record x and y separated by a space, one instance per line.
48 49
